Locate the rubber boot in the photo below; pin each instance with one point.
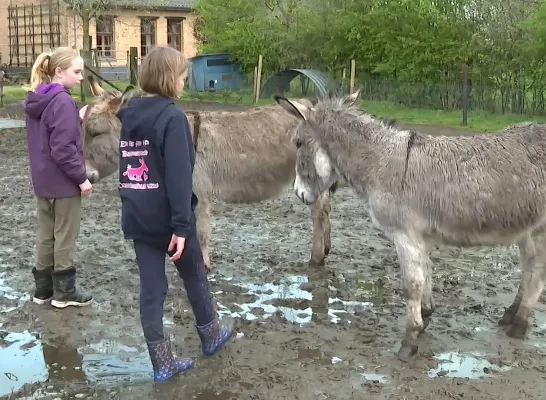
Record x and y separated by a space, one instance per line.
44 285
65 292
164 364
214 335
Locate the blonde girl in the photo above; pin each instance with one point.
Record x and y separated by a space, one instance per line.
57 171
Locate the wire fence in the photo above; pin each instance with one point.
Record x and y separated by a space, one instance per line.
449 96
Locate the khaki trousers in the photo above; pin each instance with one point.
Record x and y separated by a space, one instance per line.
58 229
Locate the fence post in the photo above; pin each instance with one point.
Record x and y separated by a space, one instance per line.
255 81
465 94
133 65
258 79
1 89
352 81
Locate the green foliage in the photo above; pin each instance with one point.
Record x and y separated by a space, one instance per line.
403 41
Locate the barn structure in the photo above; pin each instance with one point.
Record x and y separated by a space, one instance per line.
280 83
211 72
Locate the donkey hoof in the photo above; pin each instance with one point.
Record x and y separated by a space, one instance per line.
508 316
314 263
517 330
407 350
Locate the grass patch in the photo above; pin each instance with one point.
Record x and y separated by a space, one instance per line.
477 120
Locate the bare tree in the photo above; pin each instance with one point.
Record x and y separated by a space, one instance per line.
87 10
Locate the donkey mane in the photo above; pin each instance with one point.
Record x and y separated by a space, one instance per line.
354 122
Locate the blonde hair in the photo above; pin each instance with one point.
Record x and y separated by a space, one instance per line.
160 71
47 62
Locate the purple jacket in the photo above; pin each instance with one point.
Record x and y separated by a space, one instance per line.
54 142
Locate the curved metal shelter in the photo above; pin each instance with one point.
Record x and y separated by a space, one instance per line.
280 82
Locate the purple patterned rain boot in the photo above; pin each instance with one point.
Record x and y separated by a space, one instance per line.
164 364
213 336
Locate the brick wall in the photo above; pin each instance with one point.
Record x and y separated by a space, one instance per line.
4 25
126 31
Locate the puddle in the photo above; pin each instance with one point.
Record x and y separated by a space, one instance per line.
11 294
464 365
360 380
21 362
24 360
209 394
314 356
8 123
109 362
373 377
287 289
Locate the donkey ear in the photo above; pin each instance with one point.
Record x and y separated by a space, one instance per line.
127 94
95 87
298 110
351 99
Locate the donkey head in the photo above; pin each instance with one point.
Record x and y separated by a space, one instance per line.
101 116
314 171
102 130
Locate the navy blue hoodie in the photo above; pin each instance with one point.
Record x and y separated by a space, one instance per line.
156 167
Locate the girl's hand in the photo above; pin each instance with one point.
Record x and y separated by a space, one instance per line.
178 243
86 188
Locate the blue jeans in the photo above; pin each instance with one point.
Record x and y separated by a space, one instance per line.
153 284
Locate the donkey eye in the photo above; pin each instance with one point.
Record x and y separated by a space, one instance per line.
298 143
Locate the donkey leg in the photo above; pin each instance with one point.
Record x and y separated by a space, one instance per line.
532 286
526 256
428 305
202 215
413 257
318 214
327 223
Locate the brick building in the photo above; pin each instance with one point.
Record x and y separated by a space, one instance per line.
29 26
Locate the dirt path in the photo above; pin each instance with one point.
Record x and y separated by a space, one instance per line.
301 333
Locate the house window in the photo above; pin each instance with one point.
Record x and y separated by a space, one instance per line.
105 36
147 35
174 33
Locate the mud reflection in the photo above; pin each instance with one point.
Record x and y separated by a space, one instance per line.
297 298
25 360
64 363
464 365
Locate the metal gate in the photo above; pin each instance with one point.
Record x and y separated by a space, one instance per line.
32 29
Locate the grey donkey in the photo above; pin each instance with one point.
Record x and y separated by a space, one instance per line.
422 191
241 158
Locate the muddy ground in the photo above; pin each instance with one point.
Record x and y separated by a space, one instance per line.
301 334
